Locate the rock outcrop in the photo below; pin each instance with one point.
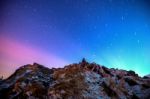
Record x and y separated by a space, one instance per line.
76 81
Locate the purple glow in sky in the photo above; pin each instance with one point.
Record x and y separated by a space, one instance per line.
15 54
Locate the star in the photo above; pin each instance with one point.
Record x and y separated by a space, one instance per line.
135 33
138 41
122 18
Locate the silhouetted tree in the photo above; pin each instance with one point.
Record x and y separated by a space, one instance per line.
84 60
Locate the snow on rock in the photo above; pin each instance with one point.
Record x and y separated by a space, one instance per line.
75 81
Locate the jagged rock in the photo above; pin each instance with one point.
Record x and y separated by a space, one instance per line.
146 76
131 73
130 81
76 81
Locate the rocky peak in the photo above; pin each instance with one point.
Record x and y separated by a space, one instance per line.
147 76
75 81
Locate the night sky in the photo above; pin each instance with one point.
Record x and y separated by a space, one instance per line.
113 33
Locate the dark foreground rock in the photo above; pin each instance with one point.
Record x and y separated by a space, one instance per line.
76 81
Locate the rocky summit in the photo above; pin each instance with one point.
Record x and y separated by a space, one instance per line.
76 81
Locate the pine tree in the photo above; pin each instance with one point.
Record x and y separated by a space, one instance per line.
84 60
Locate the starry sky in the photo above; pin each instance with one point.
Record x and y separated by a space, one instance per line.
113 33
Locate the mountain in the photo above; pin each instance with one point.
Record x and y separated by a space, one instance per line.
76 81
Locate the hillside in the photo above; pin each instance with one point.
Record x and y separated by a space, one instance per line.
76 81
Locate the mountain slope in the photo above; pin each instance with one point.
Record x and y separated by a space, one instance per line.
76 81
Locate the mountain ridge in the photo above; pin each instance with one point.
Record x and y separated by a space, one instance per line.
81 80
